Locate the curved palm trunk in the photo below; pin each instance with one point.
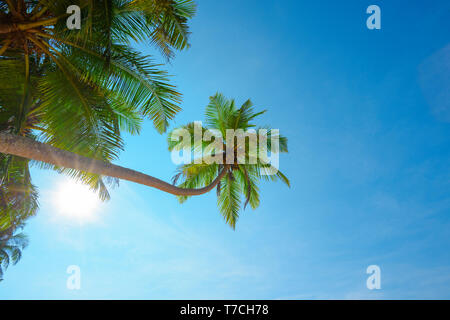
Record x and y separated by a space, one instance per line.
30 149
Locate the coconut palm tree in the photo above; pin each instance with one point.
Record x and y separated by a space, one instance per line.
11 246
234 178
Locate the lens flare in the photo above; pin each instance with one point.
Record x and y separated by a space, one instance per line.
76 201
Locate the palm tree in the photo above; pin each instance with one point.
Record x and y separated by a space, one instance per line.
234 178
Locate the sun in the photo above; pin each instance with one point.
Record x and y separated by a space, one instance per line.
75 201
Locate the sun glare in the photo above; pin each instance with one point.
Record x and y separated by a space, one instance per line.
76 201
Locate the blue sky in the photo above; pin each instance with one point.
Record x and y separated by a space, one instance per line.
368 120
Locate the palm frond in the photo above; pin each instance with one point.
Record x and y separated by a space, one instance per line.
229 200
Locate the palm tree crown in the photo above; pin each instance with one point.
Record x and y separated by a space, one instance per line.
239 179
